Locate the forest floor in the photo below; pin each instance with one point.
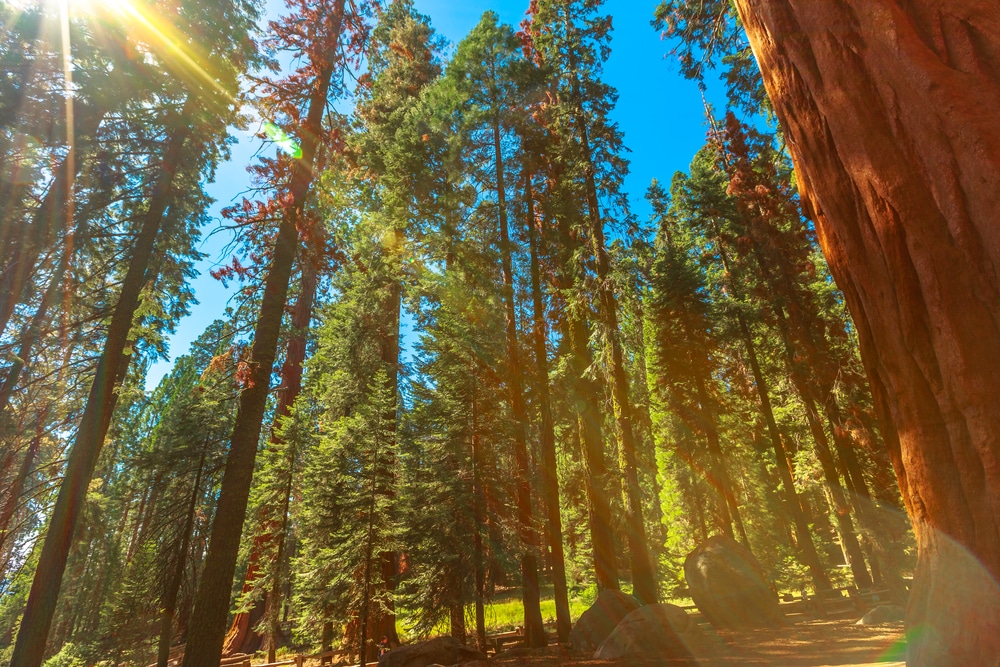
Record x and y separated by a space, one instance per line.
806 643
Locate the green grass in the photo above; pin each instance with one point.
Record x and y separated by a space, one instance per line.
505 612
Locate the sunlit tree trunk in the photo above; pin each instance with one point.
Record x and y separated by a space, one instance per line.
804 538
889 111
589 423
643 580
547 444
534 632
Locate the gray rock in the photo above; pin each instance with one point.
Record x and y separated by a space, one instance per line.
729 587
884 613
442 650
656 633
596 623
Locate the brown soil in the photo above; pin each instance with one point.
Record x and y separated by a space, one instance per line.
814 643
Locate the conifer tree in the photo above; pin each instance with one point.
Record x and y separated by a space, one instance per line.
192 139
493 81
404 58
322 34
572 42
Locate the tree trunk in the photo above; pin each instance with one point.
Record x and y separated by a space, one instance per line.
208 620
719 476
889 110
241 637
29 648
807 548
479 523
643 581
534 632
456 615
806 545
174 587
389 351
12 494
828 463
547 444
51 215
31 333
641 397
586 396
326 642
366 602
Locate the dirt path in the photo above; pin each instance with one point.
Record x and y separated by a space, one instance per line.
803 644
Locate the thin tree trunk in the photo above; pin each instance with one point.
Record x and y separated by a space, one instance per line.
29 648
586 396
369 554
479 520
174 587
208 620
547 444
856 559
643 580
647 455
52 214
534 632
807 548
30 335
720 472
12 493
389 351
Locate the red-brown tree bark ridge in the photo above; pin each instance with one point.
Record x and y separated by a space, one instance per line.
891 113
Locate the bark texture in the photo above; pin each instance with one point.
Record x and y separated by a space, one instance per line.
890 110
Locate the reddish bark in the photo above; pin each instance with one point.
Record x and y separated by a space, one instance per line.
241 637
890 112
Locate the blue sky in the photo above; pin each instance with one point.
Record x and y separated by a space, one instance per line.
659 112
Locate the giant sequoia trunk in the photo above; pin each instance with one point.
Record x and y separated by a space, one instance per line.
890 112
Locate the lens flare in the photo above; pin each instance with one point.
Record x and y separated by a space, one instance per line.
282 140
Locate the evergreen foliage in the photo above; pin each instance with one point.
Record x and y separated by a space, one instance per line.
458 370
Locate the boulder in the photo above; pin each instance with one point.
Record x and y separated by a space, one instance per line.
729 587
656 633
596 623
439 651
884 613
